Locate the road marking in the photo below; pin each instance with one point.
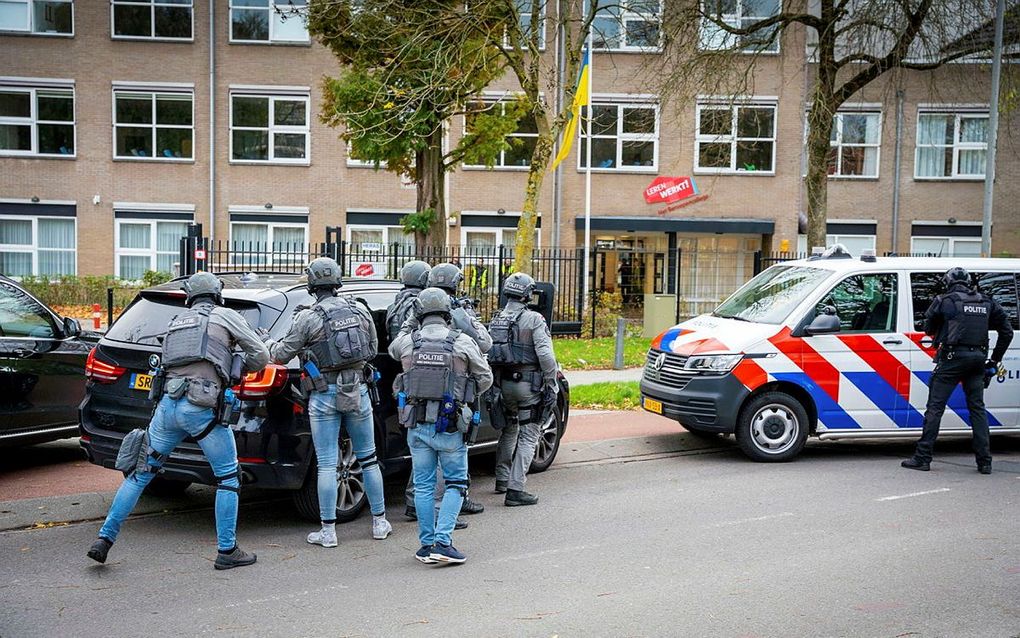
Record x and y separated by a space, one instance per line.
912 494
753 520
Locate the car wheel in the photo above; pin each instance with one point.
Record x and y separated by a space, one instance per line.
548 442
350 498
166 488
772 427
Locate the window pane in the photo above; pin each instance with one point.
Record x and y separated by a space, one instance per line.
173 142
251 145
134 109
132 20
520 151
250 3
858 160
22 316
754 156
53 262
15 138
289 24
760 8
251 111
934 128
173 109
754 122
644 7
716 122
527 124
52 17
168 235
642 33
173 22
16 231
250 233
134 142
606 33
971 163
1001 287
289 112
249 24
289 145
57 139
638 120
133 266
934 162
289 238
714 155
55 107
361 237
638 153
603 154
135 235
967 248
974 130
855 128
480 239
165 262
14 16
864 303
604 120
15 104
15 264
930 246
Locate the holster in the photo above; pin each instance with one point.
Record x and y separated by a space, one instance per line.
494 404
158 381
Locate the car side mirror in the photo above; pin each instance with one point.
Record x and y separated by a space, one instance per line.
824 324
71 327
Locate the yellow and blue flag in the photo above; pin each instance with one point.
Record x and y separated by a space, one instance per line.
579 103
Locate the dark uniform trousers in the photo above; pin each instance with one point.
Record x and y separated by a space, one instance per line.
966 366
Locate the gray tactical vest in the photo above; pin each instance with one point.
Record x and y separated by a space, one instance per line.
434 375
969 326
511 345
400 310
191 339
345 341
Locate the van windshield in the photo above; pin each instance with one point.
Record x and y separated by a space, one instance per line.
771 296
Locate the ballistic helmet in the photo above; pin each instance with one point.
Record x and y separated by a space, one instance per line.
432 301
415 274
519 286
955 276
323 272
446 276
203 284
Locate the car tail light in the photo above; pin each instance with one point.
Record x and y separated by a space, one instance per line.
101 371
259 385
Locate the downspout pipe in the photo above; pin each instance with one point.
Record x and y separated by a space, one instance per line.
897 165
212 119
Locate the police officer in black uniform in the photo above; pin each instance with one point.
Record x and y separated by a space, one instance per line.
959 320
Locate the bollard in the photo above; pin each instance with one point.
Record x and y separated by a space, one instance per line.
96 316
109 307
618 358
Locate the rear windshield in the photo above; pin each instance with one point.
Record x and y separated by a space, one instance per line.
145 321
773 295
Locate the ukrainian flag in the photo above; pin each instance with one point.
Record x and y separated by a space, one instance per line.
580 102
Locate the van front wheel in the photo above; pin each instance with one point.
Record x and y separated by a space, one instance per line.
773 427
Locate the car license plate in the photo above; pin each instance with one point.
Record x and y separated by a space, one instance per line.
141 382
652 405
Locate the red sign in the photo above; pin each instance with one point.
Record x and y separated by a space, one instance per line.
666 190
199 254
364 270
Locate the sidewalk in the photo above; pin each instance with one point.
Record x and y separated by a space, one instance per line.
587 377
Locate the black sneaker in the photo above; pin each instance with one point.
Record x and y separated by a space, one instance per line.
99 550
446 554
916 464
519 497
985 469
236 558
501 487
410 513
460 524
471 507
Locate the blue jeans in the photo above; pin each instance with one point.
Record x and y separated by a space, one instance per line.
428 449
326 421
173 421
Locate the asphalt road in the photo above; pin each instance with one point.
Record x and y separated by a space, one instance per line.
634 537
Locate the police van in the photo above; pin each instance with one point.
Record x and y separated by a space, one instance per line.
830 346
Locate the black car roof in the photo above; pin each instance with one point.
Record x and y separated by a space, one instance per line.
262 287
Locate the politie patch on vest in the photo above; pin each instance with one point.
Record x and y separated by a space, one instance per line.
974 310
345 323
437 359
184 322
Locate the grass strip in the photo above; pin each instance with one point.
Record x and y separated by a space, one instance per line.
597 354
608 395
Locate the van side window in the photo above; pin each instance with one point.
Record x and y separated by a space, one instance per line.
1000 286
864 303
924 287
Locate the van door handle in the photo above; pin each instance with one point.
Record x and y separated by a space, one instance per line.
892 342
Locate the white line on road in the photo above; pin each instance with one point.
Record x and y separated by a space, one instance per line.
753 520
912 494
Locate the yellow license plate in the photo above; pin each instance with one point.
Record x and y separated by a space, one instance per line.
652 405
141 382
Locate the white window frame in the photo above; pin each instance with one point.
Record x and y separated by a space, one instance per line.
152 252
834 238
627 15
30 5
518 4
733 138
153 93
152 4
952 241
33 119
386 233
958 114
272 129
270 236
838 144
493 102
273 4
620 136
34 248
724 41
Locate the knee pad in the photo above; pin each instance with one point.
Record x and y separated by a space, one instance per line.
460 485
368 461
230 482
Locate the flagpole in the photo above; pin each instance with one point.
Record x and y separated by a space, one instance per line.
587 177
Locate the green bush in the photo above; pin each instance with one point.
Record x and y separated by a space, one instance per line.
155 277
608 307
69 290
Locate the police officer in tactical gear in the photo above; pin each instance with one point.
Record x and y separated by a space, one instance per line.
414 276
448 277
443 374
524 366
959 320
197 359
335 339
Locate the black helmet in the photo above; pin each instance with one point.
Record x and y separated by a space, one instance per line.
446 276
415 274
203 284
432 301
519 286
323 272
955 276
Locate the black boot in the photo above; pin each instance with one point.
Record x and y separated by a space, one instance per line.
914 463
236 558
519 497
501 487
99 550
985 468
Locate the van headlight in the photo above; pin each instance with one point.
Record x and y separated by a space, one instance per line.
713 363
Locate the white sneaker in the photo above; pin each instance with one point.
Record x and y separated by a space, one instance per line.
325 537
381 528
